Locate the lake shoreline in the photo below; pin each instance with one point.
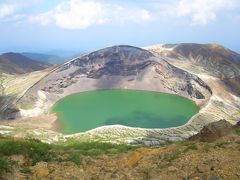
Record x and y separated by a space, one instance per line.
131 108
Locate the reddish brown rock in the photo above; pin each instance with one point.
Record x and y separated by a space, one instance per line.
214 131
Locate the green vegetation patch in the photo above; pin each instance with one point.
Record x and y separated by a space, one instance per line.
93 148
238 131
4 164
221 144
207 147
35 151
191 147
26 170
171 156
74 157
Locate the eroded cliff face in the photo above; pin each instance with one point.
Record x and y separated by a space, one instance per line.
115 67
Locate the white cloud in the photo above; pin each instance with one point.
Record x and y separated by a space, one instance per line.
80 14
7 10
12 10
202 12
43 19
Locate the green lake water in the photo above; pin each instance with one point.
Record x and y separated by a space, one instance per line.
88 110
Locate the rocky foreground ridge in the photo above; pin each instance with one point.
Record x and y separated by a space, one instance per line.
212 154
207 74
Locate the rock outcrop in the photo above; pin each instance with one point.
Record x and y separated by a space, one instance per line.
214 131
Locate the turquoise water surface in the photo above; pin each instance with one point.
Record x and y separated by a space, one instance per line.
88 110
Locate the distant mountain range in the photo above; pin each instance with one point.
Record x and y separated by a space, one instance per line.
16 63
19 63
52 59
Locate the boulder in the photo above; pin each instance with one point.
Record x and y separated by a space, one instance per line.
214 131
237 125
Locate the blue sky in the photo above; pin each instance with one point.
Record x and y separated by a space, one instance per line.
86 25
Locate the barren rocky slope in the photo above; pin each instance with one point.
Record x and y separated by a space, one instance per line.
13 87
214 59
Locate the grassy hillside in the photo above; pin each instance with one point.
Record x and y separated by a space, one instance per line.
31 151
